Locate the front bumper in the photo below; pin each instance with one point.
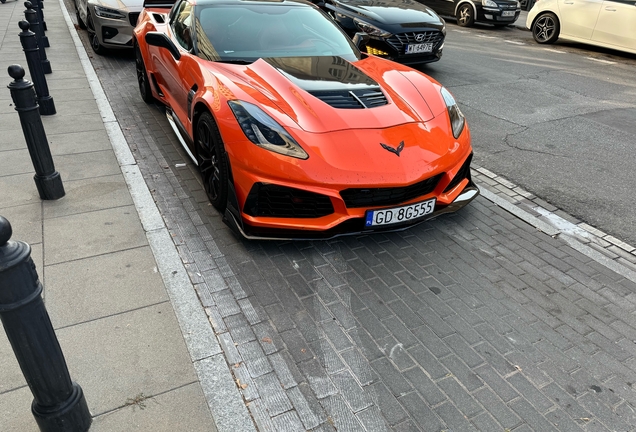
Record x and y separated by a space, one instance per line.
349 227
494 16
394 47
115 33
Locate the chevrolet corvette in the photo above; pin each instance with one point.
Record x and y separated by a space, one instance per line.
295 131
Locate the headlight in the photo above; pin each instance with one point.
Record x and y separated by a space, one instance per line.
109 13
369 29
489 3
263 130
457 119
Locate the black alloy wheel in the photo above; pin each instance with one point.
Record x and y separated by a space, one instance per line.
92 35
212 159
142 77
546 28
465 15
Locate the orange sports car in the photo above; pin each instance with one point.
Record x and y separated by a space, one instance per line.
295 131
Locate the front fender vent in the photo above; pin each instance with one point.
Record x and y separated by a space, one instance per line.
352 99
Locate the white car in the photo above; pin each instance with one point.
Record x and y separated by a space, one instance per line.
109 22
605 23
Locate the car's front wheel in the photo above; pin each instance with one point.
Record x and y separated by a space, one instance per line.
465 15
546 28
213 161
92 36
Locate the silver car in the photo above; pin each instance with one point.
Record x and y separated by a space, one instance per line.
109 22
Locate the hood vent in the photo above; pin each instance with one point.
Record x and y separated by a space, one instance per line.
352 99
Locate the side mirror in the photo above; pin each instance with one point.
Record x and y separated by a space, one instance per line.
360 39
162 41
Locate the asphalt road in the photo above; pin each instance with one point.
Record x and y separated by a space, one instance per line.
558 120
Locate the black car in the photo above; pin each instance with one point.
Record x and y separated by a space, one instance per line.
404 31
467 12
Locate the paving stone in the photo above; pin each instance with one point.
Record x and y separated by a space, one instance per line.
391 376
317 378
307 407
529 414
389 406
255 359
327 356
366 344
239 329
335 333
287 422
372 420
400 332
340 415
245 382
453 418
431 365
431 341
463 350
426 388
420 412
355 395
343 315
272 394
369 322
496 383
358 365
530 392
463 374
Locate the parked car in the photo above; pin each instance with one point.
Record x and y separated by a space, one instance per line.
109 22
497 12
404 31
604 23
296 133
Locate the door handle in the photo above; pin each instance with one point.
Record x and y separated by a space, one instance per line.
569 2
610 9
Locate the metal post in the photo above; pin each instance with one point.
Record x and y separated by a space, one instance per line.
32 53
41 15
47 180
32 17
59 404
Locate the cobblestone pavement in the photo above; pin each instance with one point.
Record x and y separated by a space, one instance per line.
473 321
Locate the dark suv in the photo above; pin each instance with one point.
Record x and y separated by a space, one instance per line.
467 12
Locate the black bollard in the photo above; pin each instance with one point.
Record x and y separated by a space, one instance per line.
59 404
47 180
32 53
34 25
36 6
41 16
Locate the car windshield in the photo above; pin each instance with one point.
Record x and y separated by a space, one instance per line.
247 32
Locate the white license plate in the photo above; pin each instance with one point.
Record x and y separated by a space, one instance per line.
508 13
419 48
399 214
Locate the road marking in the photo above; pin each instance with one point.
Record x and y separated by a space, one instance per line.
486 37
554 51
514 42
461 31
600 60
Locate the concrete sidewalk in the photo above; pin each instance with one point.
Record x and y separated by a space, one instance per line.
116 291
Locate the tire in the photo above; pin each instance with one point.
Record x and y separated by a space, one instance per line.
142 77
465 15
213 161
546 28
96 45
80 23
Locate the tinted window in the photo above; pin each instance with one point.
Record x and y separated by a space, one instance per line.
248 32
181 25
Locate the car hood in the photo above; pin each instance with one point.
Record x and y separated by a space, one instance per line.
132 5
390 12
329 93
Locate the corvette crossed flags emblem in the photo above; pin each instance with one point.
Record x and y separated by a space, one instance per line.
397 150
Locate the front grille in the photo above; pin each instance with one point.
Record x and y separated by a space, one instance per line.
348 99
133 17
269 200
371 197
464 172
400 41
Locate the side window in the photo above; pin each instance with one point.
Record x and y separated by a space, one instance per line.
181 24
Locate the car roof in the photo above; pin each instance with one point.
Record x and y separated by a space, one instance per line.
250 2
